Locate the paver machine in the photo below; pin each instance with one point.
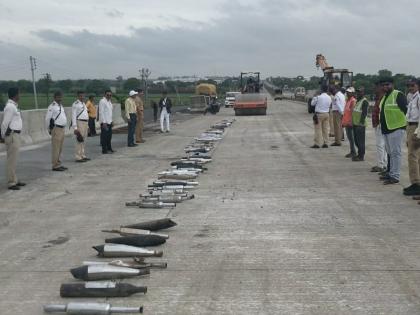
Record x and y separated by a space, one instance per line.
250 101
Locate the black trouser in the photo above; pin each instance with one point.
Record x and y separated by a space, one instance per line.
92 129
359 139
350 136
155 112
106 136
131 129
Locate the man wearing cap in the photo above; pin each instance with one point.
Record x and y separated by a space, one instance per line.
80 119
413 142
105 119
347 121
131 114
140 116
393 108
11 128
322 105
381 155
338 104
359 115
56 122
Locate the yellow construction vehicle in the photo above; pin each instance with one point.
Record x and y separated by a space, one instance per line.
332 76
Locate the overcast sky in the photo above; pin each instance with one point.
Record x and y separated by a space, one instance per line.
107 38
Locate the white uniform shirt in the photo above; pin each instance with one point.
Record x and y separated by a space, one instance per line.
57 113
11 117
79 111
413 108
339 102
322 103
105 111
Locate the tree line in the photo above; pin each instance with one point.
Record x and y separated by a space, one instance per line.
359 79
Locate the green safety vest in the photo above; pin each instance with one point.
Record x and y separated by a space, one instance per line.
394 117
357 113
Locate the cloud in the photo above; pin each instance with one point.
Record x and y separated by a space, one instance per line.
274 37
115 13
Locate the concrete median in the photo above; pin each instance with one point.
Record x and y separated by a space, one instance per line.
35 130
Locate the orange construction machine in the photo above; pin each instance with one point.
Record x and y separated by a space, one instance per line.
250 101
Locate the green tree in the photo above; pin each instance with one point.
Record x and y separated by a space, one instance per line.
131 84
25 86
64 85
96 86
385 73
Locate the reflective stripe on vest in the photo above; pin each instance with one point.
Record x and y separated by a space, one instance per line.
357 113
394 117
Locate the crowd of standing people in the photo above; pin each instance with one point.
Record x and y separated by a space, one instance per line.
84 116
395 118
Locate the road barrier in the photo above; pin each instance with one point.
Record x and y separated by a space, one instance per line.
35 129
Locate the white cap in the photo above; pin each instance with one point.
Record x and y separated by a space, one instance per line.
351 90
132 93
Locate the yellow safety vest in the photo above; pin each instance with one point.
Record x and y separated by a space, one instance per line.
394 117
357 113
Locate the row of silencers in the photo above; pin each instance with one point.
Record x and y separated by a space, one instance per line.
132 232
96 289
135 234
75 308
151 204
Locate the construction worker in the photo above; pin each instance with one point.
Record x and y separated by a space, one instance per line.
91 108
11 128
338 104
322 104
140 116
359 115
80 119
347 120
105 119
165 105
56 122
131 115
393 108
381 155
413 142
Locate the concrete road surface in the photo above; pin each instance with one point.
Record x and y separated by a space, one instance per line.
276 228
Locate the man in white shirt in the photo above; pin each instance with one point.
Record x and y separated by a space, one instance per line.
413 143
105 119
322 105
165 105
56 122
11 128
338 104
80 118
